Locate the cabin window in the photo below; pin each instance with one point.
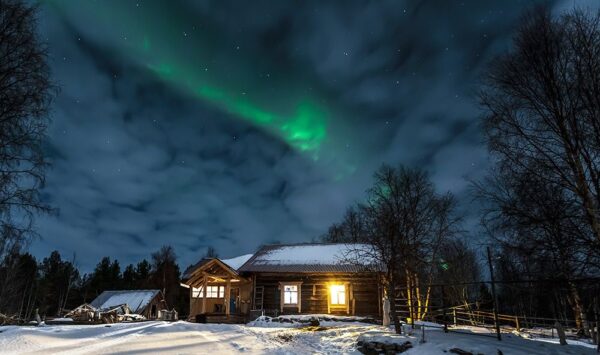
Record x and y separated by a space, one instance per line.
211 292
290 294
215 291
338 295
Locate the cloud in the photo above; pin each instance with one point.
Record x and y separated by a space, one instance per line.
138 163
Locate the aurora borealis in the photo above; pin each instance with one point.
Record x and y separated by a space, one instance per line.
234 124
178 50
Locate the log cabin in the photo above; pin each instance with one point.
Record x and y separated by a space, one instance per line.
314 278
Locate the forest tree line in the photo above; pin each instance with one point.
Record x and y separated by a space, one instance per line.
54 285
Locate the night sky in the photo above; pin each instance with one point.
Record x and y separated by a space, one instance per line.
238 123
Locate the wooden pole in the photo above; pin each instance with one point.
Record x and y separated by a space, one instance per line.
495 299
204 284
227 296
444 311
192 300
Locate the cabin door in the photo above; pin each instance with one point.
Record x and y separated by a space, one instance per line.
233 299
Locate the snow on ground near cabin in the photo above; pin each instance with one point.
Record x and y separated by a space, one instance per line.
238 261
190 338
315 254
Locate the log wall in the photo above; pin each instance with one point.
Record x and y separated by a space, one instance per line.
363 293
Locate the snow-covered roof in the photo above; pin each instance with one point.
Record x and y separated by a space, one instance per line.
313 257
137 300
238 261
233 263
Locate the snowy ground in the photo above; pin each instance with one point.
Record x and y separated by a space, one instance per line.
191 338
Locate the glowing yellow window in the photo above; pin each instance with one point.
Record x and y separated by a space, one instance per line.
338 295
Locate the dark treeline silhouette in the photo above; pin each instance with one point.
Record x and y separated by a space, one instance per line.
54 284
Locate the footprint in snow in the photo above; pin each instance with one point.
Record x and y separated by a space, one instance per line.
238 346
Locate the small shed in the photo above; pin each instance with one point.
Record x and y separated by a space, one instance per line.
147 303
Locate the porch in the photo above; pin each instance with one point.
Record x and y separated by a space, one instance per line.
218 294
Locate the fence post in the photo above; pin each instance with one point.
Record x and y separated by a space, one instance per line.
444 311
495 299
517 323
454 314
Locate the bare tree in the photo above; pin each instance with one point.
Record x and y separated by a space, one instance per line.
542 103
165 273
351 229
460 270
25 95
211 253
532 218
542 123
403 223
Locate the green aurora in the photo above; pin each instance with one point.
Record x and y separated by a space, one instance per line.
180 50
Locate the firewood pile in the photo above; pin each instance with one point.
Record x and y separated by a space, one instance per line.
89 314
9 320
83 313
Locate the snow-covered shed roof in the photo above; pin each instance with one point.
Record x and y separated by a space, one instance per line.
309 257
137 300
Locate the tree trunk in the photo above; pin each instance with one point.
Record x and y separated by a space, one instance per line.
580 315
586 196
391 293
427 298
409 303
418 297
561 333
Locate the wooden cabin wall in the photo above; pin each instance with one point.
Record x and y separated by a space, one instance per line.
243 302
196 305
158 302
245 297
314 293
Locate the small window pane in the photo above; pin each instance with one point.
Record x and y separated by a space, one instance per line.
290 294
338 294
215 291
196 292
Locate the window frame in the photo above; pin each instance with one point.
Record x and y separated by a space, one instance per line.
290 292
344 289
282 304
349 297
220 292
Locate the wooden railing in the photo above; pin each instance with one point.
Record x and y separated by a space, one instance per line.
467 315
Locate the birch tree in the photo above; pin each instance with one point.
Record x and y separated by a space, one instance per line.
542 107
404 222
